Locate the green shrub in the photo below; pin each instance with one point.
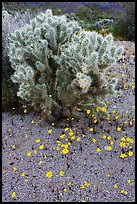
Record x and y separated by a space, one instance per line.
124 26
58 66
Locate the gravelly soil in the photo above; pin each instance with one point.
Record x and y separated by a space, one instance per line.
102 170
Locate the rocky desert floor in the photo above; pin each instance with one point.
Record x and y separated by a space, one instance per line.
83 163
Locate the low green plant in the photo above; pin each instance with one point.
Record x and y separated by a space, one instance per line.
58 66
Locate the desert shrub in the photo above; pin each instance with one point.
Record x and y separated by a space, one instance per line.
58 66
124 26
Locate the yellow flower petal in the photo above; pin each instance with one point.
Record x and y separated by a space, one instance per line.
23 174
94 140
109 137
41 147
65 190
115 186
49 174
91 129
50 131
123 155
29 154
118 129
98 150
32 121
78 139
64 151
128 181
13 194
25 110
130 153
88 111
35 151
14 169
61 173
37 141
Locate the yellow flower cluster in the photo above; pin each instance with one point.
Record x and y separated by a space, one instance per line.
125 142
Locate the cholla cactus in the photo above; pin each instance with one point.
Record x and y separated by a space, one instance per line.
103 23
58 66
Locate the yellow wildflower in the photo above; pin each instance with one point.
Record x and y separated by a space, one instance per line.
97 109
29 154
71 133
118 129
122 144
69 183
57 148
91 129
115 186
52 124
25 110
35 151
64 151
128 139
131 141
49 174
83 201
26 180
123 155
37 141
95 121
130 153
13 194
117 116
33 121
65 190
14 169
40 162
78 139
66 146
94 140
104 136
73 137
111 143
14 146
50 131
62 136
61 173
124 86
41 147
109 137
123 139
122 191
66 129
108 175
88 111
109 148
128 181
98 150
23 174
86 184
103 109
82 187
